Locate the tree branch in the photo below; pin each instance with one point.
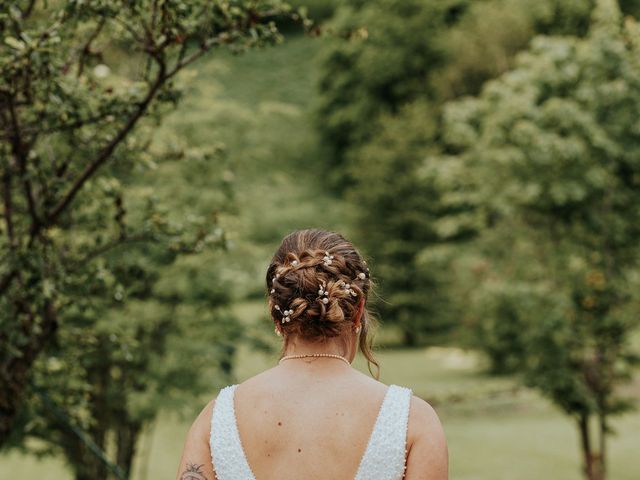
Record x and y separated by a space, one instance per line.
6 281
8 206
207 45
186 60
86 49
19 150
62 127
27 11
7 176
129 29
106 152
131 239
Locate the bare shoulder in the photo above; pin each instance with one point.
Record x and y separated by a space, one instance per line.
195 462
426 443
202 424
423 417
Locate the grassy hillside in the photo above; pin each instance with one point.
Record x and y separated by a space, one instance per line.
258 105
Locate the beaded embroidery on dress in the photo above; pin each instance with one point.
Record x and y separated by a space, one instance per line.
383 459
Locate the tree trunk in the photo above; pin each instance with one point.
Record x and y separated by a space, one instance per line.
585 443
91 469
127 438
594 462
13 383
144 461
14 372
602 430
408 338
86 465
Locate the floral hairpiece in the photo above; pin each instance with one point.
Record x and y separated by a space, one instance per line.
347 287
323 293
327 259
286 315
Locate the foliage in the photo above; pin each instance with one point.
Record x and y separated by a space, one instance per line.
483 43
399 51
379 139
317 10
407 208
85 247
556 148
383 63
381 96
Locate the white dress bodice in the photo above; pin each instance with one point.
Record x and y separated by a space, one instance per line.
383 459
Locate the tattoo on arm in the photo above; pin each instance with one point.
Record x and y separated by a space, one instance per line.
193 472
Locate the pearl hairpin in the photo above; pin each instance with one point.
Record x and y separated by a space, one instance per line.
323 292
327 258
347 287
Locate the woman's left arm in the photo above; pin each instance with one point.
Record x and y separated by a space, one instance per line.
195 463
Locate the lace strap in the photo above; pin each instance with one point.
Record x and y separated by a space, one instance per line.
385 455
227 455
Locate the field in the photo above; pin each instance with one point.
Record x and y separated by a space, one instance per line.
259 106
498 433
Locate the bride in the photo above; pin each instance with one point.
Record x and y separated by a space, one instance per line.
313 416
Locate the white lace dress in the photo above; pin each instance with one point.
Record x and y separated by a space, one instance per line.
384 457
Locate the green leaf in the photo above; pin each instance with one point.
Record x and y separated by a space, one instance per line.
14 43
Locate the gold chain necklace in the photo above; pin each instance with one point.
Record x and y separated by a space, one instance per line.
304 355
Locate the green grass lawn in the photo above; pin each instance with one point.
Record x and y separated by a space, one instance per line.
259 106
499 432
495 429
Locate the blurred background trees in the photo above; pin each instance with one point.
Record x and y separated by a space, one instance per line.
417 55
555 142
484 156
523 199
87 241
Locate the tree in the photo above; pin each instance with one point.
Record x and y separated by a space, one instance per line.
384 63
483 43
395 52
79 79
144 331
412 218
116 363
555 145
382 93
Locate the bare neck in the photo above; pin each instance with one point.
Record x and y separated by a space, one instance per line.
343 346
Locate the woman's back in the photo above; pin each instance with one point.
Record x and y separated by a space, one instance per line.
312 424
313 416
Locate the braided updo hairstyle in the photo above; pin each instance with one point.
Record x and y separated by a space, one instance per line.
318 283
